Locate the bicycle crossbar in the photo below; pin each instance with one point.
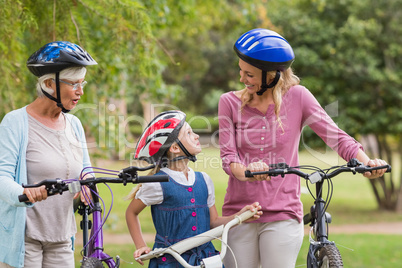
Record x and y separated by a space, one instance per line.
186 244
197 240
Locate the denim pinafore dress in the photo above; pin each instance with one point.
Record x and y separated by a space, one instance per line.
183 213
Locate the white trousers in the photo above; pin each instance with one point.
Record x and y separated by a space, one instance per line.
48 254
266 245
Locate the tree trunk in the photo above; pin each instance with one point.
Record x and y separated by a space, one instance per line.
387 196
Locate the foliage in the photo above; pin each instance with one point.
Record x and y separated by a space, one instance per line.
158 52
347 54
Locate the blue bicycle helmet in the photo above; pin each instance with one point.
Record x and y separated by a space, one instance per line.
55 57
266 50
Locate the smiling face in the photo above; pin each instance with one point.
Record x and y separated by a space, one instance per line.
250 76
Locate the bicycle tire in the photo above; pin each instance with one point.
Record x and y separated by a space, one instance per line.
92 262
330 257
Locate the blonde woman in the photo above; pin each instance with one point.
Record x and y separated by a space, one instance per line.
261 125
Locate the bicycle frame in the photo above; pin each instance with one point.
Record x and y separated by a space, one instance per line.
319 221
211 262
95 247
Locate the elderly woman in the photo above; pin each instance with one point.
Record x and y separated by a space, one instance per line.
42 141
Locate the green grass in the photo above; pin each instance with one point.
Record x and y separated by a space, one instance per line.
352 202
358 251
363 250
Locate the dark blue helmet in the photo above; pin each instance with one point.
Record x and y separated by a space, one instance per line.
265 50
57 56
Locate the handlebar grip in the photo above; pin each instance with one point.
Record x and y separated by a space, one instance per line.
23 198
248 174
389 168
246 215
153 178
363 169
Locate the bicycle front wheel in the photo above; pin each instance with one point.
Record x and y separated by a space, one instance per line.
92 263
330 257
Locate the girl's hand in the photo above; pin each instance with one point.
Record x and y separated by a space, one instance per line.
139 252
256 167
375 173
253 207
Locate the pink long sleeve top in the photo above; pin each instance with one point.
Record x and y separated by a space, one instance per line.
249 136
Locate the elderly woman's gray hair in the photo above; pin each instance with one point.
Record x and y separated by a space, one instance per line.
72 74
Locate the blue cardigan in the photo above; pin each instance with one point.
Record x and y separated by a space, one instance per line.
13 172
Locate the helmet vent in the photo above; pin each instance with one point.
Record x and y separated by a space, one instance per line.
241 40
253 45
167 124
248 40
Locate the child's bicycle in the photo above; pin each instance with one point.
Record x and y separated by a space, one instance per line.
220 232
322 252
93 252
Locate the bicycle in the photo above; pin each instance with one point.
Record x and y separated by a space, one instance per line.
93 251
322 253
211 262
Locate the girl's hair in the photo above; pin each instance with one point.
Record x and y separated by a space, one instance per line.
72 73
168 155
134 191
286 81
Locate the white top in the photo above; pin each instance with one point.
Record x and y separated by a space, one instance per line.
151 193
52 154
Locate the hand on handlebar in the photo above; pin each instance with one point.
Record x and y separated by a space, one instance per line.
141 251
36 194
257 167
375 173
85 193
252 207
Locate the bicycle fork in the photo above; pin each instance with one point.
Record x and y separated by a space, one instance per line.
318 220
94 247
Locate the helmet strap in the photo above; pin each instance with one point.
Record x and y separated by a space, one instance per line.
58 99
264 85
189 156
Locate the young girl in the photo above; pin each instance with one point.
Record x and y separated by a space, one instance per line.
184 206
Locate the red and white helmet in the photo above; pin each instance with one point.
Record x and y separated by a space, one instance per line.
159 135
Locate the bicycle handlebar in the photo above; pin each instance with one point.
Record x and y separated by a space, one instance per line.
282 169
128 175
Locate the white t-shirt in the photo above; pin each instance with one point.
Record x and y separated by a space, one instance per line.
151 193
52 154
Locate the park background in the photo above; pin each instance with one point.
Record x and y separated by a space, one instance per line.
155 55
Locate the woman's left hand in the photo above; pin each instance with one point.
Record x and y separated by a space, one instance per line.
85 195
375 173
253 207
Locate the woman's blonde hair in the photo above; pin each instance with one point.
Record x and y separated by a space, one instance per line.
286 81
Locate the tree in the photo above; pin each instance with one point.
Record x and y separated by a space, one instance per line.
349 51
148 52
